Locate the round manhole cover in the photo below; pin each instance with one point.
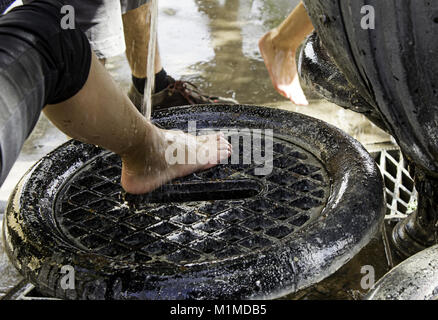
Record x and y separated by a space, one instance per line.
289 208
221 213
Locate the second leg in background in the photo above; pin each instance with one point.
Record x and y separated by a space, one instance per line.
168 91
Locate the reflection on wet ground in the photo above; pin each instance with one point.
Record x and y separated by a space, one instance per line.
213 44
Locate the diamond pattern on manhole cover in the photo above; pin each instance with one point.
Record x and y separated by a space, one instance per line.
224 212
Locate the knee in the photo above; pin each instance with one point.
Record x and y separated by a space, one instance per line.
65 54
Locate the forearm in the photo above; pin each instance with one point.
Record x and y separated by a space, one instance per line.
292 31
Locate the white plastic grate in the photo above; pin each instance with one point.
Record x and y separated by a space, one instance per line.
401 196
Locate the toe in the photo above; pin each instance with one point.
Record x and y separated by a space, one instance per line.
223 154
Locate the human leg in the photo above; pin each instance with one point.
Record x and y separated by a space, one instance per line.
101 114
168 91
136 27
48 65
278 48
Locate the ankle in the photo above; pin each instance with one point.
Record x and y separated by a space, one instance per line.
279 41
146 153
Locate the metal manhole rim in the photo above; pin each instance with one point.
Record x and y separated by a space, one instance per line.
298 254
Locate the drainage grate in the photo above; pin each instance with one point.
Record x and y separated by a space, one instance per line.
189 220
401 196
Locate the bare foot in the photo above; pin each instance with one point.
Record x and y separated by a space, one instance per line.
174 154
280 62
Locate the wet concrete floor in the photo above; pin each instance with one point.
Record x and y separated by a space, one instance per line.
213 44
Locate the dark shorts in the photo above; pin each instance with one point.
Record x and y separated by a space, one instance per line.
40 63
101 20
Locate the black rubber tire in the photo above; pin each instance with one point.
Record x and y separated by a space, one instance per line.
353 214
414 279
393 66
